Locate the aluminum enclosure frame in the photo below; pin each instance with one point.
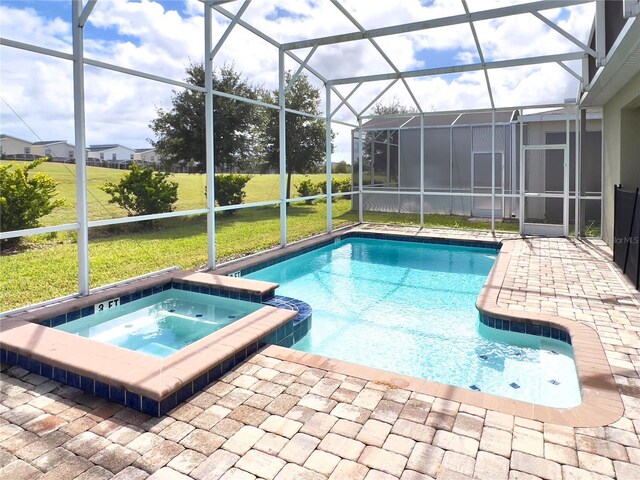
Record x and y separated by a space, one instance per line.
81 13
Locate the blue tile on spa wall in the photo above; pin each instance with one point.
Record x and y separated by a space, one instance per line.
73 379
46 370
150 406
133 400
102 389
117 395
59 375
87 384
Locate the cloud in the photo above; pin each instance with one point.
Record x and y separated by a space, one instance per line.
162 38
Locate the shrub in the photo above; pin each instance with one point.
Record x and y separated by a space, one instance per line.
143 191
23 199
344 185
306 188
336 186
229 189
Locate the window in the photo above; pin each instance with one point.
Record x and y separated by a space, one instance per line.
102 156
114 156
131 156
71 153
27 150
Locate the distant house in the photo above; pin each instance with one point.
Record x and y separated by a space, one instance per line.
114 155
14 148
58 150
146 156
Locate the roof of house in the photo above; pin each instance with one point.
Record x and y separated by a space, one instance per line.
49 142
4 135
142 150
108 146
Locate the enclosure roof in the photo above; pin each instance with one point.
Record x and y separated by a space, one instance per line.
439 120
345 44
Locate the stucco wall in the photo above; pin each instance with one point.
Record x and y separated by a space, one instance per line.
621 124
13 146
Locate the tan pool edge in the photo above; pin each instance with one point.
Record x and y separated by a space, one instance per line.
601 401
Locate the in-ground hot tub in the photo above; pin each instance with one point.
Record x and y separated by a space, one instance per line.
162 323
135 369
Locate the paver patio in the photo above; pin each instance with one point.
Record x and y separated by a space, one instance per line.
275 419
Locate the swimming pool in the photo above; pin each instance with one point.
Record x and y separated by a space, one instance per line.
163 323
409 307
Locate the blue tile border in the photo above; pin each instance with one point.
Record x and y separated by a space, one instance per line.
370 235
526 327
177 284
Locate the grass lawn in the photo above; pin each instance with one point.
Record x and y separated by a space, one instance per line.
46 267
190 190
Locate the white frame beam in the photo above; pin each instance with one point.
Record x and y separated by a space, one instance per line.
570 71
282 141
377 97
328 145
276 44
86 11
302 66
344 100
435 23
82 218
565 34
209 137
229 29
473 67
480 54
379 49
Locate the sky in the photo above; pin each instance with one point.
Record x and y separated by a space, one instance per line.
163 37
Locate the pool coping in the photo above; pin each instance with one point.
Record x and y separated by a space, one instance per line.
601 402
137 380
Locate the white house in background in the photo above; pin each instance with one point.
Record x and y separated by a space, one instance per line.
56 149
14 147
111 152
146 155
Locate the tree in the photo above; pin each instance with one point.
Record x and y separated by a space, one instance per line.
306 140
143 191
181 131
393 107
23 199
341 167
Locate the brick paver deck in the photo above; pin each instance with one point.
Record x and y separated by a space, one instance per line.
275 419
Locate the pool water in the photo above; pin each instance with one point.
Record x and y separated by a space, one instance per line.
410 308
163 323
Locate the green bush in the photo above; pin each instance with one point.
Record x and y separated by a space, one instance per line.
307 188
229 189
143 191
336 186
23 199
344 185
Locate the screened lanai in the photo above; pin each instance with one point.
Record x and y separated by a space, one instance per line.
474 79
441 164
